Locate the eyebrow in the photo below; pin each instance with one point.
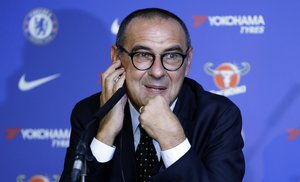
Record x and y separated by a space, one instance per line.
138 47
173 48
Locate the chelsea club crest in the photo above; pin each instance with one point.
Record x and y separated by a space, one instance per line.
40 26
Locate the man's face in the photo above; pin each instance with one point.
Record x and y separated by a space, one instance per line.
157 36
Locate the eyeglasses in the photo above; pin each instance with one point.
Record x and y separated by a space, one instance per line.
143 60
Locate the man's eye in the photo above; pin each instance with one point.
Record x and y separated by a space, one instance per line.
143 55
172 56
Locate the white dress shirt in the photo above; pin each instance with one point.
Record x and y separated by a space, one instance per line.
104 153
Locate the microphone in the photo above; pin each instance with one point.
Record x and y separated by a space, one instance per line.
90 132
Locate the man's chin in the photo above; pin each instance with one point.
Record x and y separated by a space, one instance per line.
151 96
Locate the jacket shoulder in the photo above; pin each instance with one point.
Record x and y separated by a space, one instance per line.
207 99
87 107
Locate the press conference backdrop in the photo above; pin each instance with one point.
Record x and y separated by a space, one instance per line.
52 53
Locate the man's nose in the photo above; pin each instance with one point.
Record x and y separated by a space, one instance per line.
157 70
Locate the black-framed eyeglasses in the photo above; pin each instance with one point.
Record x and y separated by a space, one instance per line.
143 60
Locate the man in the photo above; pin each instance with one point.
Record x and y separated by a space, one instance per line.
196 135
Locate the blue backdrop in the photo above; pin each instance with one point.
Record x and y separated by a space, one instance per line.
53 51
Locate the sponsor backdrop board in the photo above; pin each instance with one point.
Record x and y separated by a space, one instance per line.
53 51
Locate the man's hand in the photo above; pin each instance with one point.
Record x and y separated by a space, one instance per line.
161 123
112 79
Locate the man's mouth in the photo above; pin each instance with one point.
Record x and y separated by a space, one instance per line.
155 89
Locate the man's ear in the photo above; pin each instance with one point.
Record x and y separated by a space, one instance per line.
114 53
189 59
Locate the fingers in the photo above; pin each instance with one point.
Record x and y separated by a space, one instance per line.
110 76
112 79
161 124
118 83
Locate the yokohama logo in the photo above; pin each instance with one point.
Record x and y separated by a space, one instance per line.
38 134
11 133
58 136
249 24
255 20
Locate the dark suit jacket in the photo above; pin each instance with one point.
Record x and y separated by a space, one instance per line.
211 123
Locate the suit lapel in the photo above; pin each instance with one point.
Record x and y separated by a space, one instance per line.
127 148
185 108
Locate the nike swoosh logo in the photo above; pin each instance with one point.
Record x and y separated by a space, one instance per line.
29 85
115 27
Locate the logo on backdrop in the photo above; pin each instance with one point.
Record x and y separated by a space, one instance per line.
227 77
115 26
40 26
59 137
293 133
248 24
38 178
29 85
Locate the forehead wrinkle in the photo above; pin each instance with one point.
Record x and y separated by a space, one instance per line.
169 48
154 34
